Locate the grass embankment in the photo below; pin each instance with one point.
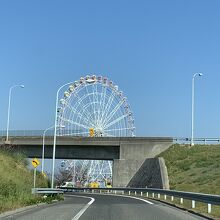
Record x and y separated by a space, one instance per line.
194 169
16 181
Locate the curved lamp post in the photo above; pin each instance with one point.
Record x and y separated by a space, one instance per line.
55 133
42 166
192 129
9 108
43 149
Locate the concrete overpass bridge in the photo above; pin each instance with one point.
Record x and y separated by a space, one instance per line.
127 153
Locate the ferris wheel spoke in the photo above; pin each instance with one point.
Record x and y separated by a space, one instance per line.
80 117
94 101
105 104
116 121
77 133
83 104
108 134
75 123
117 107
91 122
92 105
89 97
103 101
110 104
106 109
118 129
72 109
98 103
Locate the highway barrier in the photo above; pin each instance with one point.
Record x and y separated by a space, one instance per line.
203 140
46 191
209 199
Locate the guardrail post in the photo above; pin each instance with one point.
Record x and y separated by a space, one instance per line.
115 191
209 208
193 204
165 197
93 191
108 191
147 194
141 193
100 191
135 193
123 192
129 192
181 201
172 198
153 195
158 195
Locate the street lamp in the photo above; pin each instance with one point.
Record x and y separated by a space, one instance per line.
193 81
9 107
55 133
42 166
43 149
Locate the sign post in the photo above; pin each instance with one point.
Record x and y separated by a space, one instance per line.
35 176
35 162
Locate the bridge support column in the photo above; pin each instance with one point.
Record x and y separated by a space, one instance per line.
123 170
150 172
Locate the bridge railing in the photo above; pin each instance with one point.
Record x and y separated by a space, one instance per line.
178 140
209 199
30 133
203 140
24 133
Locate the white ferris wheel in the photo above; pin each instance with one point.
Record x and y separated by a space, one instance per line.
94 106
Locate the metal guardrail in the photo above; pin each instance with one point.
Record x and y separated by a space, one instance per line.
203 140
31 133
156 193
46 191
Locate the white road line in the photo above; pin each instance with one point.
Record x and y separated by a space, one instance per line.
143 200
132 197
79 214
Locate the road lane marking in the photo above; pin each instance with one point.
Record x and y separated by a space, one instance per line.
131 197
143 200
79 214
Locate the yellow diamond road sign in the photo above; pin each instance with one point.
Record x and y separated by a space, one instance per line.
35 162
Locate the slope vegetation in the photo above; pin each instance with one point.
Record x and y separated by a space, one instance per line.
195 169
16 181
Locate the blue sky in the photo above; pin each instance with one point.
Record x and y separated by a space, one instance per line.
150 49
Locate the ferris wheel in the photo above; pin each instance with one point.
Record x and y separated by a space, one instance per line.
94 106
85 171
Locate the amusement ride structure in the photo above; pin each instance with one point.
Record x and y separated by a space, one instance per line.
93 106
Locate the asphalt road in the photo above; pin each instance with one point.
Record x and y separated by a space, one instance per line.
103 207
